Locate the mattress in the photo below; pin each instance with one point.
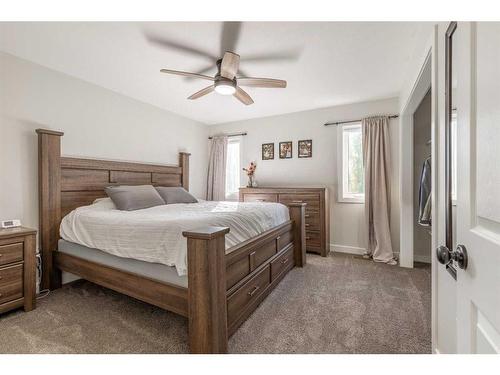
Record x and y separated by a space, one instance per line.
153 271
155 234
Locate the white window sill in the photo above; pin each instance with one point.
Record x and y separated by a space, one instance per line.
351 200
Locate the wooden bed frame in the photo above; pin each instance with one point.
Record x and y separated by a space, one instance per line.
223 290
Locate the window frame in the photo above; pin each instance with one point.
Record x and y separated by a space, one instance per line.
341 166
234 196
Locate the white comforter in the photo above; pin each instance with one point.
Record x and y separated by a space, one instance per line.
155 234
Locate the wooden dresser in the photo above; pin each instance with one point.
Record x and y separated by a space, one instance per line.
17 268
317 211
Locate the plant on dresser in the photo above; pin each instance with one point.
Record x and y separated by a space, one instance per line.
317 215
17 269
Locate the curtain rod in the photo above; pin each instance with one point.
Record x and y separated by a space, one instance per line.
231 135
352 121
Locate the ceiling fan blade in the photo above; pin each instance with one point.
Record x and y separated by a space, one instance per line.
229 36
179 47
242 96
230 64
290 55
261 82
202 92
186 74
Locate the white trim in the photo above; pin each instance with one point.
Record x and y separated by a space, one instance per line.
406 180
436 351
347 249
422 258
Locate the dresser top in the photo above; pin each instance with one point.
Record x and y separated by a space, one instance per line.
278 188
16 232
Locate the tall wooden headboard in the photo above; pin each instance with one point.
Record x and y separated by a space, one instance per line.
66 183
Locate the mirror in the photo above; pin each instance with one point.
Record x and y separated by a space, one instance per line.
451 113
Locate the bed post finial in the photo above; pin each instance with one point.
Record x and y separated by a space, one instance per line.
207 312
184 164
298 215
49 195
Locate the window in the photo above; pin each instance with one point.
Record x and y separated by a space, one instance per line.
233 168
351 184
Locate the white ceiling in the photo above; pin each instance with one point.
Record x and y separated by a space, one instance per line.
331 63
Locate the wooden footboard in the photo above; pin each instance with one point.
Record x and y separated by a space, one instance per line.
223 290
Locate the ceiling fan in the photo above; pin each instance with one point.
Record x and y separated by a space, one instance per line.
226 80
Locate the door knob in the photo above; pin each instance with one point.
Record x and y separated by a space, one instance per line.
444 256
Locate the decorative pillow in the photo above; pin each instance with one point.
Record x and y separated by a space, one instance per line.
129 198
173 195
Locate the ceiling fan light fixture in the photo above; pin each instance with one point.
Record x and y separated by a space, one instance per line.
225 87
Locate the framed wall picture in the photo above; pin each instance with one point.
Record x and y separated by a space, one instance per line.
286 150
305 148
267 151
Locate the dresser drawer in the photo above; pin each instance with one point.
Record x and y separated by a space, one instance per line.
11 291
11 253
260 197
239 300
312 200
313 239
313 221
11 274
282 263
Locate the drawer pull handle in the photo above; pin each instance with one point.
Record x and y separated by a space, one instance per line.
1 294
260 200
308 238
254 290
297 201
307 215
307 225
283 261
1 255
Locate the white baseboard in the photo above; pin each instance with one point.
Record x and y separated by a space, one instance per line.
422 258
347 249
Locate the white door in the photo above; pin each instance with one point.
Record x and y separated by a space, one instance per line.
478 203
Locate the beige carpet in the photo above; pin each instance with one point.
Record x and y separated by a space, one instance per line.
339 304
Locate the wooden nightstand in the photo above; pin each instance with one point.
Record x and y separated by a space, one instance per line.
17 269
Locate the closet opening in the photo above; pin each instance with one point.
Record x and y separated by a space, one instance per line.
422 181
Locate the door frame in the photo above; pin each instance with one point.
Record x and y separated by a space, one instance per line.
406 167
427 78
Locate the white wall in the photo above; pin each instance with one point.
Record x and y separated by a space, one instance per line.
97 123
347 219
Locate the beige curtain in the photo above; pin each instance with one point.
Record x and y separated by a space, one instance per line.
376 159
216 180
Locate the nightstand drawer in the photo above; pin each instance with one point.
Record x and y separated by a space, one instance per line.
11 253
11 291
11 274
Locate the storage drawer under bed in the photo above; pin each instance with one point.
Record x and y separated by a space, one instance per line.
246 294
